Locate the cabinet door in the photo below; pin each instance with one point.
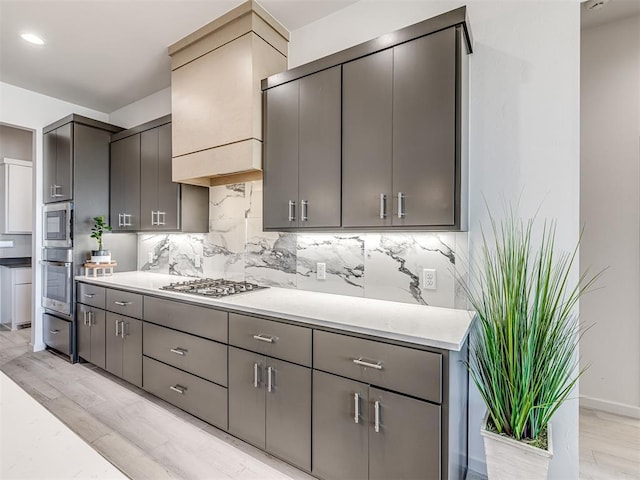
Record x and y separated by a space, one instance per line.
132 351
424 132
98 332
319 161
49 167
288 417
83 332
125 184
149 179
340 443
367 85
168 191
114 344
18 199
246 396
281 156
64 162
406 444
22 303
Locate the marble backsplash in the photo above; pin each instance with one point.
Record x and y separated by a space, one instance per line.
385 265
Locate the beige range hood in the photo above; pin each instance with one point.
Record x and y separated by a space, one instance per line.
216 100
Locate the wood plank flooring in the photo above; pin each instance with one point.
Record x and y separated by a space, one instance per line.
146 438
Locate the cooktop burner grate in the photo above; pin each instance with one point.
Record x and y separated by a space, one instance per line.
212 287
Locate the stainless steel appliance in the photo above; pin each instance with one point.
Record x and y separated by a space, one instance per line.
58 225
57 281
212 287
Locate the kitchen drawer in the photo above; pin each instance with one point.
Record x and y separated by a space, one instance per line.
22 275
204 358
201 321
199 397
57 333
275 339
406 370
124 303
91 295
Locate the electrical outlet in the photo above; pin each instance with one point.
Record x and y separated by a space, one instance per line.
429 279
150 257
321 271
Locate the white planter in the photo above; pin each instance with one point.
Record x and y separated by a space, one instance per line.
100 256
509 459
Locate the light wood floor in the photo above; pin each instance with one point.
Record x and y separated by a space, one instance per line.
146 437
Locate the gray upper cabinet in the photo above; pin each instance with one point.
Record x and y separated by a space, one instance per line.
401 141
125 184
143 196
58 164
302 152
399 150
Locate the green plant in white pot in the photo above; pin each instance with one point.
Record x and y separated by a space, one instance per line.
100 226
522 348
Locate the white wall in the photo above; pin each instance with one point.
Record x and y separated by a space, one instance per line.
24 108
610 199
148 108
524 140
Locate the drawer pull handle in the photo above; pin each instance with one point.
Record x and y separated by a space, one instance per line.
179 351
54 332
178 389
363 363
255 375
89 295
269 379
376 409
123 304
264 338
356 404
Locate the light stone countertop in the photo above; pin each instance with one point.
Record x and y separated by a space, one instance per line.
444 328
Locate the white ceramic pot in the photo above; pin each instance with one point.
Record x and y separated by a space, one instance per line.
100 256
508 459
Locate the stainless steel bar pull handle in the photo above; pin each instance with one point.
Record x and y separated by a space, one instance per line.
292 211
383 206
120 220
305 211
117 329
401 212
84 318
269 379
127 220
178 389
55 191
376 420
364 363
163 222
153 217
90 318
356 408
179 351
122 304
264 338
256 382
54 332
122 324
89 295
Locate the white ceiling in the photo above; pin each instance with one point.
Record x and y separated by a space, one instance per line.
612 10
105 54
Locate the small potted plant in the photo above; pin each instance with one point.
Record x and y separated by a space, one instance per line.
99 227
522 347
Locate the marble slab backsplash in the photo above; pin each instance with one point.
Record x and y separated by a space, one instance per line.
385 266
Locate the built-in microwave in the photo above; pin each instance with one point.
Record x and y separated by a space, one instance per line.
58 225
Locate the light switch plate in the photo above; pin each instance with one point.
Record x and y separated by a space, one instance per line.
429 279
321 271
150 257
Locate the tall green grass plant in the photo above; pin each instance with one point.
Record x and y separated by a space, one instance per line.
523 344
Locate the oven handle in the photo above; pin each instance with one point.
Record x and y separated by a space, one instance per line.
59 264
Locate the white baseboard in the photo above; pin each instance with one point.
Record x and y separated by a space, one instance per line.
610 407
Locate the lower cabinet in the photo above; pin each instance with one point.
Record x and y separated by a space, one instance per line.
270 405
91 334
362 432
124 347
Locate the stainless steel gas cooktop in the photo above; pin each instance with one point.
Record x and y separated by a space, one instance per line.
212 287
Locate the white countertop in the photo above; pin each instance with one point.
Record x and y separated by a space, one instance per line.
444 328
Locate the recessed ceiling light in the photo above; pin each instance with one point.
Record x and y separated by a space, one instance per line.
32 38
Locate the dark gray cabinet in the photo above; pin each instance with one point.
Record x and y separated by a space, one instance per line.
364 432
270 405
302 152
399 135
58 164
125 184
124 347
143 196
91 334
